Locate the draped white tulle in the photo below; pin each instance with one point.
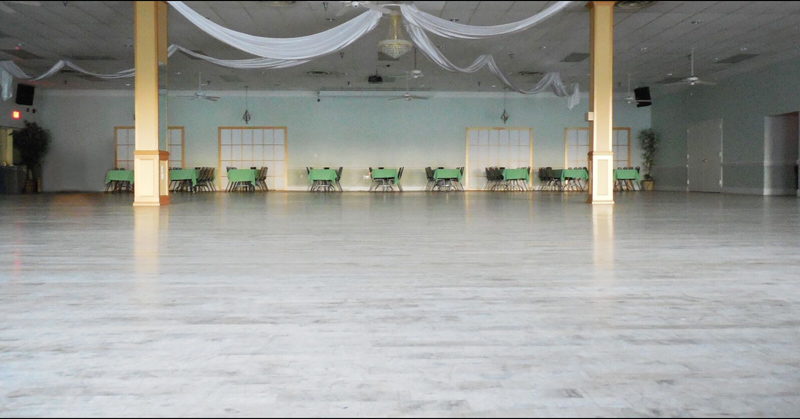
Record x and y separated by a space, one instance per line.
452 30
552 79
289 52
301 48
9 70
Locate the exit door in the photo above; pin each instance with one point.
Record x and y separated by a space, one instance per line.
705 156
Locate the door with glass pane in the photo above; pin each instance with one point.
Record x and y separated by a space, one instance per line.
496 147
576 147
246 147
175 146
125 141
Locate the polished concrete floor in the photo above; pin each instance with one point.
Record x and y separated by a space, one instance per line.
415 304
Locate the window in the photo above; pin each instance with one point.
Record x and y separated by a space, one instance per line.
246 147
498 146
576 147
125 141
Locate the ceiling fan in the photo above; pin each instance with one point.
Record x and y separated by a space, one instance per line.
200 94
7 9
408 96
692 79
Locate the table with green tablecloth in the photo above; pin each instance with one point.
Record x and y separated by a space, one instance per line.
322 179
572 175
242 176
388 177
444 177
627 177
117 176
184 174
516 178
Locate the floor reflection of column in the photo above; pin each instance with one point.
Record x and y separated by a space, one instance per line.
603 237
146 226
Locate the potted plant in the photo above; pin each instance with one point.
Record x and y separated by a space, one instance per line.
33 142
649 140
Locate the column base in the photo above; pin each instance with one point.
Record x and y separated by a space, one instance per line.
601 181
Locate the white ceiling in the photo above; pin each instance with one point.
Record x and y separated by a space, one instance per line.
650 43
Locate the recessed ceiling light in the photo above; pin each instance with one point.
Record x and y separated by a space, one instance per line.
716 58
127 84
643 49
632 5
178 73
543 47
669 74
743 49
455 19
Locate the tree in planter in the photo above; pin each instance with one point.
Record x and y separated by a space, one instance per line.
33 142
649 140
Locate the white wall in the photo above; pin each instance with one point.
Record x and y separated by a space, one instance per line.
780 154
354 132
742 102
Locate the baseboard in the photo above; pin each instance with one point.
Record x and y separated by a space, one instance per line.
780 192
743 191
671 188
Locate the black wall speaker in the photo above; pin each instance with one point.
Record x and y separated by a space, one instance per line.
24 95
642 96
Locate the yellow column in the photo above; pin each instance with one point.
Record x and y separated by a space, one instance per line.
601 98
150 45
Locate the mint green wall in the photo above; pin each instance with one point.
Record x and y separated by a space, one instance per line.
742 101
352 132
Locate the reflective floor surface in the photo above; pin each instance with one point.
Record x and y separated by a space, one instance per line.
414 304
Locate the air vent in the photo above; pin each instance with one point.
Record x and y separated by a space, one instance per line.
575 57
669 80
231 79
737 58
21 53
632 5
93 58
530 73
279 3
318 73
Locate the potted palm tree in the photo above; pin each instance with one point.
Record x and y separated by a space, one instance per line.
33 142
649 140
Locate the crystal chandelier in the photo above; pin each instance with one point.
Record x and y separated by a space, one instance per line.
395 46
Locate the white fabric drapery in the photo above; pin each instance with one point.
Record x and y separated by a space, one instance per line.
452 30
552 79
288 52
9 70
247 63
301 48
